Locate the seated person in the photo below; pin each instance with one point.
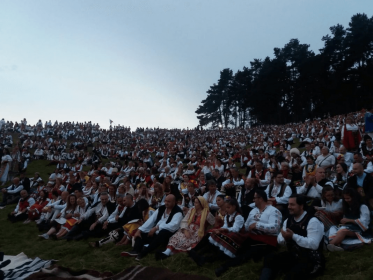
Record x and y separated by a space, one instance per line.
20 213
192 229
92 222
246 196
361 181
36 209
12 193
189 197
68 216
211 195
126 211
330 212
157 229
355 223
303 236
262 227
278 193
224 241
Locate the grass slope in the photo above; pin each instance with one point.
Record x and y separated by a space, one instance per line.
16 238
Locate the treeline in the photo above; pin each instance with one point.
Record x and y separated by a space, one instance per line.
297 84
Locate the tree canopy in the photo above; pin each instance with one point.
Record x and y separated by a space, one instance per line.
297 84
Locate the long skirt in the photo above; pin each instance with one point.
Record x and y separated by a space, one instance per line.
229 242
179 243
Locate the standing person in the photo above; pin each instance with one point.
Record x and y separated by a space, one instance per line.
303 235
350 135
6 159
262 228
369 121
157 229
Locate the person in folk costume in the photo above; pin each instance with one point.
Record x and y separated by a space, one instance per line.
330 212
351 136
302 234
81 209
158 197
189 197
211 195
220 213
246 196
310 168
157 230
68 215
6 159
184 185
224 241
20 212
192 229
313 186
232 184
126 218
261 174
353 226
36 209
278 193
12 193
262 227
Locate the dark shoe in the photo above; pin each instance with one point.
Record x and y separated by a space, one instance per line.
160 256
141 256
220 271
132 253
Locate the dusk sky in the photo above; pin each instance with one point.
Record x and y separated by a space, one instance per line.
142 63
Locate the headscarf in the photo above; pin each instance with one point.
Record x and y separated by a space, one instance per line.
205 212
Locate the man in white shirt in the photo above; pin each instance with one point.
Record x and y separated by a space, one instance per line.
24 203
12 193
211 195
278 192
325 160
262 227
303 235
157 230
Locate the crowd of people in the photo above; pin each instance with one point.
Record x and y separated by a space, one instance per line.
216 194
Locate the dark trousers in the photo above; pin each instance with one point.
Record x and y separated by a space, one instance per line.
293 267
154 241
10 198
250 250
79 228
14 218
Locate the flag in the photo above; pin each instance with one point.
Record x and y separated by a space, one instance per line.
110 121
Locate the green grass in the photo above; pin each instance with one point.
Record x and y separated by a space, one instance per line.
19 237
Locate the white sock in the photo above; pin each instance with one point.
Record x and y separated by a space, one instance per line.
167 252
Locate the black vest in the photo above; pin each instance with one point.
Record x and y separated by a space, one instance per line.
314 256
247 199
162 209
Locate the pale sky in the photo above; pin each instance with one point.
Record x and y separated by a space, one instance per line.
142 63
